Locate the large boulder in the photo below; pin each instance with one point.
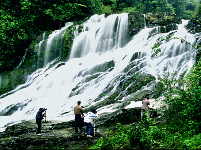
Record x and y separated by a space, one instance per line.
162 19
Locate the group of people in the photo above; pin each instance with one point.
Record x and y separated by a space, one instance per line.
81 119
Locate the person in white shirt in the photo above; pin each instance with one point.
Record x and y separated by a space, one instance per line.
88 119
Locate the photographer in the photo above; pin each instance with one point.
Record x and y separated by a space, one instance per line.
39 116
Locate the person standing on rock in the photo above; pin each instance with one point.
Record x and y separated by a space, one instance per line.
39 116
78 111
88 119
144 107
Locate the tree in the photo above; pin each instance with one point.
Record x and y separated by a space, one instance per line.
22 21
162 6
198 9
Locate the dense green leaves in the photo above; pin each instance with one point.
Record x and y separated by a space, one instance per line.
21 21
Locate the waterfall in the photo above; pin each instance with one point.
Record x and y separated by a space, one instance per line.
55 44
38 48
22 60
102 62
94 37
145 25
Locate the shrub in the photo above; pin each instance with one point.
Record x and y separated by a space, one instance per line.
193 143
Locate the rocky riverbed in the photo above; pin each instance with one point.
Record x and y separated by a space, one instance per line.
54 136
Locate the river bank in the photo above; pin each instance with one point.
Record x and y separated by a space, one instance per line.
58 134
55 135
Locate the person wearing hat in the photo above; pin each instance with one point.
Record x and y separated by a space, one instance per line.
88 118
78 111
39 116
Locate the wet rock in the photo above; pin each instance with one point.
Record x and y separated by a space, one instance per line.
53 136
166 21
194 25
162 19
100 68
123 116
136 23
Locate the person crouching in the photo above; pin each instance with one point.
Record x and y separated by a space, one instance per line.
88 118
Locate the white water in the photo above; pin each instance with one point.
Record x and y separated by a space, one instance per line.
38 49
97 44
101 35
54 41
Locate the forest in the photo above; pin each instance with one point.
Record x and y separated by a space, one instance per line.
22 21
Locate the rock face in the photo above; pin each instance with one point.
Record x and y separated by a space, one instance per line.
166 21
136 23
194 25
161 19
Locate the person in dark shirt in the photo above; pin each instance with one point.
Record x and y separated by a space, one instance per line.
39 116
78 111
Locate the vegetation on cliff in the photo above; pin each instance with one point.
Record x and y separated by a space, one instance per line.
22 21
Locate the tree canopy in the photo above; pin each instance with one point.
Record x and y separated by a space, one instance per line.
23 20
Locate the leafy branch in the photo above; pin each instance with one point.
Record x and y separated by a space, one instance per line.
157 45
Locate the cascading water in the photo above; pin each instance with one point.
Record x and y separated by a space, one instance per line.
101 35
102 59
54 44
38 48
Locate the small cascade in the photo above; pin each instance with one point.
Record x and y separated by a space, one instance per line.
38 48
54 44
145 25
76 32
22 60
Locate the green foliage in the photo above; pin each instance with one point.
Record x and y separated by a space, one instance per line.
5 89
193 143
156 49
22 20
147 135
198 9
130 9
162 6
68 41
143 135
184 102
106 9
